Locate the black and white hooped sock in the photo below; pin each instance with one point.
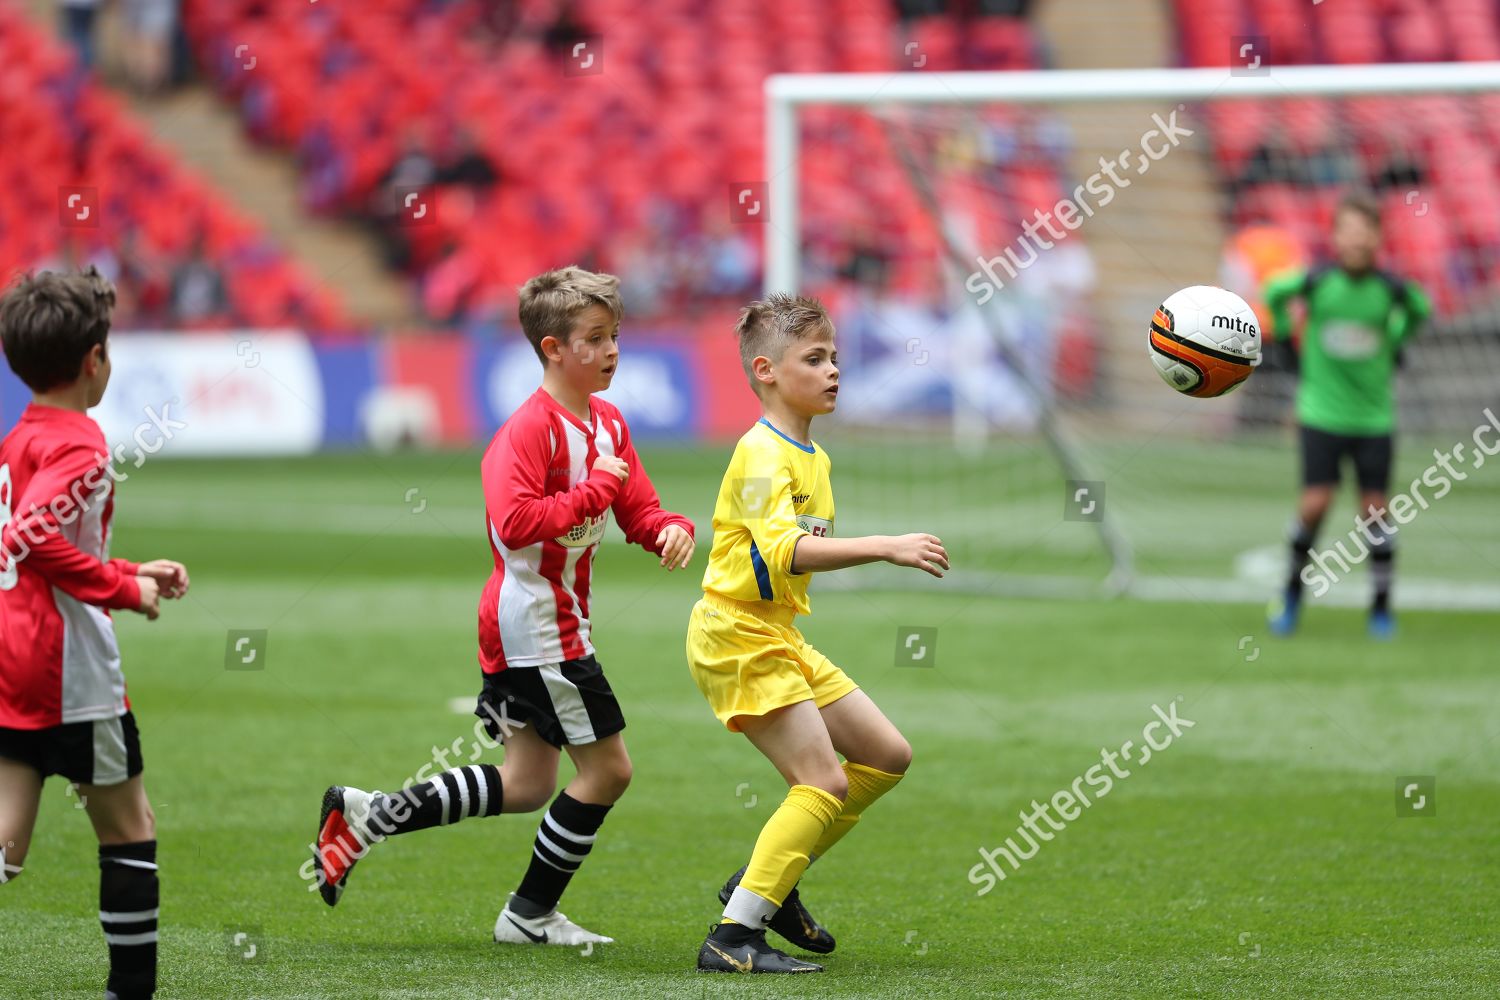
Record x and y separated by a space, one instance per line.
129 898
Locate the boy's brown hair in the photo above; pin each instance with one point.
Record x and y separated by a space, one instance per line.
1360 203
551 302
769 326
49 322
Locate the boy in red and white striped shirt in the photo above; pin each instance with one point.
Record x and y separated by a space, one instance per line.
552 475
63 708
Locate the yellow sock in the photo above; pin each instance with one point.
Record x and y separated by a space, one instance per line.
866 784
781 851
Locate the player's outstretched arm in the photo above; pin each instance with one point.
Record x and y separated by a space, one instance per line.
922 551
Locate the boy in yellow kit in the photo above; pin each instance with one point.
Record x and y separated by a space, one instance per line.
773 525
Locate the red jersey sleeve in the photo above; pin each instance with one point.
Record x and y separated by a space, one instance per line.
49 506
514 473
638 508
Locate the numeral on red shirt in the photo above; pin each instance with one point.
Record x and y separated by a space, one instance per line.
9 575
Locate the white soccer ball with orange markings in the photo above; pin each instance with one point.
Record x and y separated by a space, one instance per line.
1204 341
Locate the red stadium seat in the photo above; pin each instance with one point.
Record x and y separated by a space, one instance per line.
146 203
586 161
1433 155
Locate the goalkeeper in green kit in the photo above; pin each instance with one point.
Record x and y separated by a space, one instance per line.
1358 320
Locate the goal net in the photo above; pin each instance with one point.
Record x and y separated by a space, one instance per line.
993 247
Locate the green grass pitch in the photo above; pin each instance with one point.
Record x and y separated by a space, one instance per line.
1261 855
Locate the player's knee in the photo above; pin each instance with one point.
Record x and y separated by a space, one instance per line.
832 781
604 779
896 756
618 774
524 796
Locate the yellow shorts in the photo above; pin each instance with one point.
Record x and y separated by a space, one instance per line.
749 659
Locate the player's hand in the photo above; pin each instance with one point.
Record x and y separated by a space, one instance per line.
150 605
171 577
919 551
676 547
613 464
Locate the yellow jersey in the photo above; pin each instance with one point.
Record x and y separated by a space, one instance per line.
775 491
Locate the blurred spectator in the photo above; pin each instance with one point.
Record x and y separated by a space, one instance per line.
78 18
1003 8
1270 162
149 29
564 31
866 263
198 296
1255 253
404 184
726 258
72 255
466 163
908 9
645 275
1397 169
413 166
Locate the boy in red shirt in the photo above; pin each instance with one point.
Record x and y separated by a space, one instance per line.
551 476
63 708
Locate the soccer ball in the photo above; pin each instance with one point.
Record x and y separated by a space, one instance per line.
1204 341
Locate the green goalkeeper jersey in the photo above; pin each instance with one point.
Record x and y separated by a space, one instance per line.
1356 326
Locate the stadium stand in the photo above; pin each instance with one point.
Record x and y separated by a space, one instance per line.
482 141
179 252
1286 162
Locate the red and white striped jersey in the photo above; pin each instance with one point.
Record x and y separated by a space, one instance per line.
547 509
58 659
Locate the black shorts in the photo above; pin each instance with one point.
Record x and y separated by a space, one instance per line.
1323 452
102 752
568 702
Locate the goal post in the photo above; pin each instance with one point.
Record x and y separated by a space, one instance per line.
787 93
1022 421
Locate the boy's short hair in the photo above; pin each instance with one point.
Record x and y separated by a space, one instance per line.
768 326
49 322
1361 203
550 303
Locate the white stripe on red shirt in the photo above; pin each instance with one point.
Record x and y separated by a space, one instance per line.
547 509
59 662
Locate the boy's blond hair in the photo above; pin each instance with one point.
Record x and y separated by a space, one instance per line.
769 326
551 302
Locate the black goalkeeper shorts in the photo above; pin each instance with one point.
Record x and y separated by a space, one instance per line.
1323 452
